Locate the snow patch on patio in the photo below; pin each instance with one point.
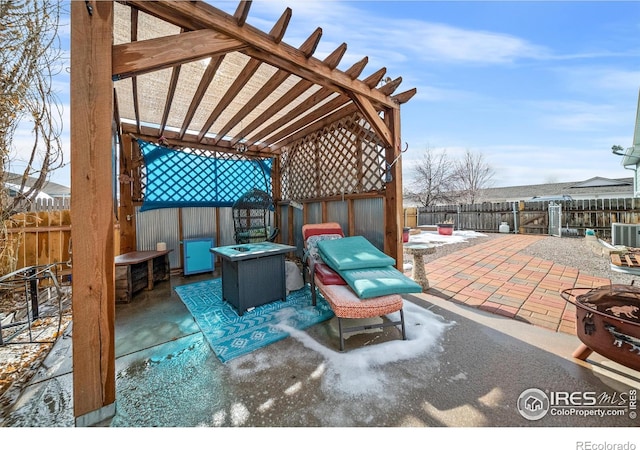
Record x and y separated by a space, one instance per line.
437 240
433 238
357 371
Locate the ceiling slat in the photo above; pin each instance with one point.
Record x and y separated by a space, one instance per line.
390 87
276 80
336 56
316 126
354 71
314 115
332 60
248 71
134 80
309 46
205 81
175 74
405 96
316 98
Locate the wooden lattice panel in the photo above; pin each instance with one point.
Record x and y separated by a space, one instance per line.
345 157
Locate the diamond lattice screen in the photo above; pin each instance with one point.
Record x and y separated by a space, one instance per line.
181 178
345 157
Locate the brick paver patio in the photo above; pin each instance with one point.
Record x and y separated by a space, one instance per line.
496 277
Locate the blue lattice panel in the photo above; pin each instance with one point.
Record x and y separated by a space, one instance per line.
185 177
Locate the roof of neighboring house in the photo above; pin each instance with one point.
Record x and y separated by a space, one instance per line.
14 189
593 187
49 188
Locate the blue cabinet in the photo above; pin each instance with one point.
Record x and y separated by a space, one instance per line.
197 257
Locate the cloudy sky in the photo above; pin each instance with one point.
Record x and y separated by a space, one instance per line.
542 89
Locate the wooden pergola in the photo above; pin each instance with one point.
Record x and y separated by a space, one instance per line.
194 77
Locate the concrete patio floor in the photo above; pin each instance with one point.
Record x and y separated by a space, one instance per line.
470 374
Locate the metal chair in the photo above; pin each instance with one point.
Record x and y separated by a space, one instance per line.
252 218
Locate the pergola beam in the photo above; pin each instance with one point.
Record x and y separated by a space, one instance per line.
173 138
371 114
139 57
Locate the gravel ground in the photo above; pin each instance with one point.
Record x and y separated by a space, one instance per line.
577 252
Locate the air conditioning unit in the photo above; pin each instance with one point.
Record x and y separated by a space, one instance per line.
627 234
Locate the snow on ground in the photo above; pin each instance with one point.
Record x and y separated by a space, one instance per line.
432 237
437 240
357 372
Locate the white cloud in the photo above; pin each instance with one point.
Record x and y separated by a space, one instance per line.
445 43
579 115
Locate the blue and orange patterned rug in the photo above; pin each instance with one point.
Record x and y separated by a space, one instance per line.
231 335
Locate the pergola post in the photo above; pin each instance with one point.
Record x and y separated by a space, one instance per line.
92 212
393 191
126 210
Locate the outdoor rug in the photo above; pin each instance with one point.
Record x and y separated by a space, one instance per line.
231 335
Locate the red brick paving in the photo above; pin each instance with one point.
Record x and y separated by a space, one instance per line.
494 276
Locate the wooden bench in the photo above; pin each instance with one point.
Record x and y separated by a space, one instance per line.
140 270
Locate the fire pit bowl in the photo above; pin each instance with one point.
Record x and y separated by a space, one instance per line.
608 322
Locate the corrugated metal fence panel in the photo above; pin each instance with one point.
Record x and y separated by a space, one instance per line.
284 223
338 211
159 225
198 223
314 213
226 227
298 217
369 220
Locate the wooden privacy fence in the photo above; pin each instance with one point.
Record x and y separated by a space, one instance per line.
36 238
533 217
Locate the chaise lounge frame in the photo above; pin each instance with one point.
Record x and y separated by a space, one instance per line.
344 303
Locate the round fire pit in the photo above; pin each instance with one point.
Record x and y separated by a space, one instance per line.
608 322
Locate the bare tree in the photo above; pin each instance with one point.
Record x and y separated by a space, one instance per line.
29 58
471 174
433 179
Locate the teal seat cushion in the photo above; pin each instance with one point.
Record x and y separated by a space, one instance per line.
368 283
354 252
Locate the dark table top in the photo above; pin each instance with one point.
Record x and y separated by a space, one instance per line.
239 252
